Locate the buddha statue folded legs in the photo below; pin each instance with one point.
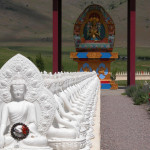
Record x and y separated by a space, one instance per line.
60 138
62 128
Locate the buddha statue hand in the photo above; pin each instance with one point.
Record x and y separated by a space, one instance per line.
76 126
76 123
1 141
77 131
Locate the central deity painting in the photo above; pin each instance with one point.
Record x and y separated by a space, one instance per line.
94 35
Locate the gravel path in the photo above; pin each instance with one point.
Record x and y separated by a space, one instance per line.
124 126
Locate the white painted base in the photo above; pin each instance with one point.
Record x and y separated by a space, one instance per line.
96 141
86 148
48 148
67 144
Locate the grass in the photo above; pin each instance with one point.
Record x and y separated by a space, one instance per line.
8 52
140 51
141 65
121 83
137 82
46 52
68 64
123 94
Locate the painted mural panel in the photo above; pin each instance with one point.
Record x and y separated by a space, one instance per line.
94 37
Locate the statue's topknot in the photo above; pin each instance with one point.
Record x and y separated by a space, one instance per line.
18 79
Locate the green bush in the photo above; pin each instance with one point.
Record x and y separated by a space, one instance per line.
140 97
131 90
40 63
113 74
139 94
30 58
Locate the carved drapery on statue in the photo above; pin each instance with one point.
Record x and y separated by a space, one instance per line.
94 36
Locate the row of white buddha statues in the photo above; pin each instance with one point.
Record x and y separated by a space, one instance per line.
58 109
77 103
65 79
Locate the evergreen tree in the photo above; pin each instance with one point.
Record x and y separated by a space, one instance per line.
30 58
39 62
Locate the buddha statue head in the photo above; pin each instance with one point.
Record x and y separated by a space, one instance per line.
18 88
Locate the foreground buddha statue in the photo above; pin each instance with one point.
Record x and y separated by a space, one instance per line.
20 110
25 100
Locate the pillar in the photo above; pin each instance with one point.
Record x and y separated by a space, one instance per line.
131 41
57 40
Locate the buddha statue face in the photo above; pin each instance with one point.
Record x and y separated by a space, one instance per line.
18 88
18 91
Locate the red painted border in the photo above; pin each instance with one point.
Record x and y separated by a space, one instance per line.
55 41
132 46
131 41
105 81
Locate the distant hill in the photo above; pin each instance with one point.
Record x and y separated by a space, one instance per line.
30 21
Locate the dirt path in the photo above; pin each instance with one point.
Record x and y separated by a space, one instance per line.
124 126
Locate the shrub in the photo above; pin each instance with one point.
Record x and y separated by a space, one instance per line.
113 74
140 97
131 90
30 58
139 94
39 62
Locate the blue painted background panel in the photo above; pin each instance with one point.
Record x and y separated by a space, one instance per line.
105 86
82 55
106 55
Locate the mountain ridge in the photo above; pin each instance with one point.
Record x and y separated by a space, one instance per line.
32 20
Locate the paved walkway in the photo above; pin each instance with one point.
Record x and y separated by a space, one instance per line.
124 126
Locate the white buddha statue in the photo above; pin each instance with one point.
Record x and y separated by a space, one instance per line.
20 110
24 99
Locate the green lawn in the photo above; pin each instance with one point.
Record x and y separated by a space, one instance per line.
140 51
67 63
7 52
46 52
138 82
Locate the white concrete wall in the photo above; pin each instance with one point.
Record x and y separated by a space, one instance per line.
138 76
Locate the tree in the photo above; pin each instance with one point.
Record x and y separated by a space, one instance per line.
39 62
30 58
113 74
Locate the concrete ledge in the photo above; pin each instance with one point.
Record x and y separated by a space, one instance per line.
96 141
